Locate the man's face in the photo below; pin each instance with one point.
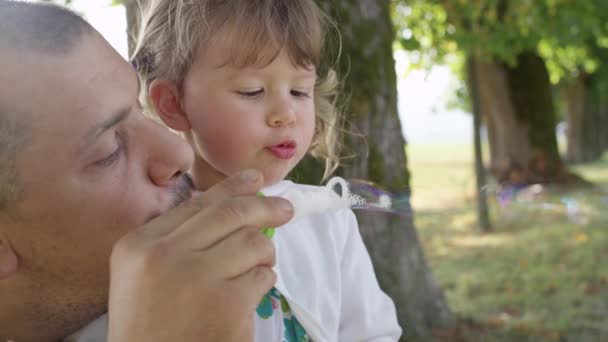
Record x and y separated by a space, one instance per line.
92 168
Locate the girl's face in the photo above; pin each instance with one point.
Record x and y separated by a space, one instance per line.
248 118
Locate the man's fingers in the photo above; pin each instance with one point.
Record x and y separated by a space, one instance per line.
243 183
252 286
219 220
240 252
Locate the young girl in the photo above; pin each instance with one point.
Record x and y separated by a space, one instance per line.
240 79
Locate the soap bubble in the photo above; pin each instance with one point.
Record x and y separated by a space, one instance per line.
366 195
531 202
534 201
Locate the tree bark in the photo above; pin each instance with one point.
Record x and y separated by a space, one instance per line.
518 105
575 105
587 118
132 8
367 61
508 137
603 114
531 94
483 212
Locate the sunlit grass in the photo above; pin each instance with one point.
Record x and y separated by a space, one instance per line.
441 174
596 172
539 276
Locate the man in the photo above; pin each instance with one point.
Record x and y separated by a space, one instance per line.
81 169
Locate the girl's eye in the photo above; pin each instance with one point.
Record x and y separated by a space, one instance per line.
112 157
298 93
253 93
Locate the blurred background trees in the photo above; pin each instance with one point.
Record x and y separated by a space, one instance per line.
528 55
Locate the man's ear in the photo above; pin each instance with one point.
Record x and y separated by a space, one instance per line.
165 97
8 259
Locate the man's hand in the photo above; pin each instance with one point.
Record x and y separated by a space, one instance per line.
197 272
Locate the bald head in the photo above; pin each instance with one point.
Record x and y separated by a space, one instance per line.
35 29
41 28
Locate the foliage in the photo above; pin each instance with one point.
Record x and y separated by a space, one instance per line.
568 35
499 29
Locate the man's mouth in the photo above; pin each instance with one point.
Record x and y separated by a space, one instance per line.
284 150
182 190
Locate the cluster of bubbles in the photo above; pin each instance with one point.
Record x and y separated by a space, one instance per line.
365 195
577 206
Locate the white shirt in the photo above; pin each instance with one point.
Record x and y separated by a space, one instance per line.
325 273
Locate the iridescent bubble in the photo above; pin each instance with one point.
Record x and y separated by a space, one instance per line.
365 195
538 201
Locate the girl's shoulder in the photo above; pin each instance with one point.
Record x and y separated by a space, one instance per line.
287 184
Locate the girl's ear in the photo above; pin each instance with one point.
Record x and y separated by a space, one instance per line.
164 96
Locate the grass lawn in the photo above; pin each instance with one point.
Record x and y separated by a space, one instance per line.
540 276
442 175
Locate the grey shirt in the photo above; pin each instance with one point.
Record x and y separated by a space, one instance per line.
96 331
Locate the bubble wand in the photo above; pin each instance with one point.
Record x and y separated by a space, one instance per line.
342 194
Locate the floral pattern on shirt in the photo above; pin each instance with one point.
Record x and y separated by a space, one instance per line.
294 332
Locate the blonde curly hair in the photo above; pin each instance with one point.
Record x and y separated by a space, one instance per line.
172 31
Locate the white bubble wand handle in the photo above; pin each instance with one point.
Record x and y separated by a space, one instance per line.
342 194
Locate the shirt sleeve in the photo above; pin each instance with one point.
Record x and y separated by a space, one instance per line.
367 313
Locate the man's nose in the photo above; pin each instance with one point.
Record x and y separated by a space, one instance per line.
170 156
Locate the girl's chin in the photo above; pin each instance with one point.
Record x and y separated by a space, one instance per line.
273 178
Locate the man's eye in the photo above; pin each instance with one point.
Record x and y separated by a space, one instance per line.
113 157
109 160
253 93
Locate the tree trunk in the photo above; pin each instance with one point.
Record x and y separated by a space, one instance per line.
587 119
531 94
603 113
518 105
132 8
399 260
575 106
483 212
508 137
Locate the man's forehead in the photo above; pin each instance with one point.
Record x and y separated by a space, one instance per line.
97 72
92 78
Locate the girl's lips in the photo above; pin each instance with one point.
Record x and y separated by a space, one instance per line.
283 151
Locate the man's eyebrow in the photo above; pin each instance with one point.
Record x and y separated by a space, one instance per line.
104 126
